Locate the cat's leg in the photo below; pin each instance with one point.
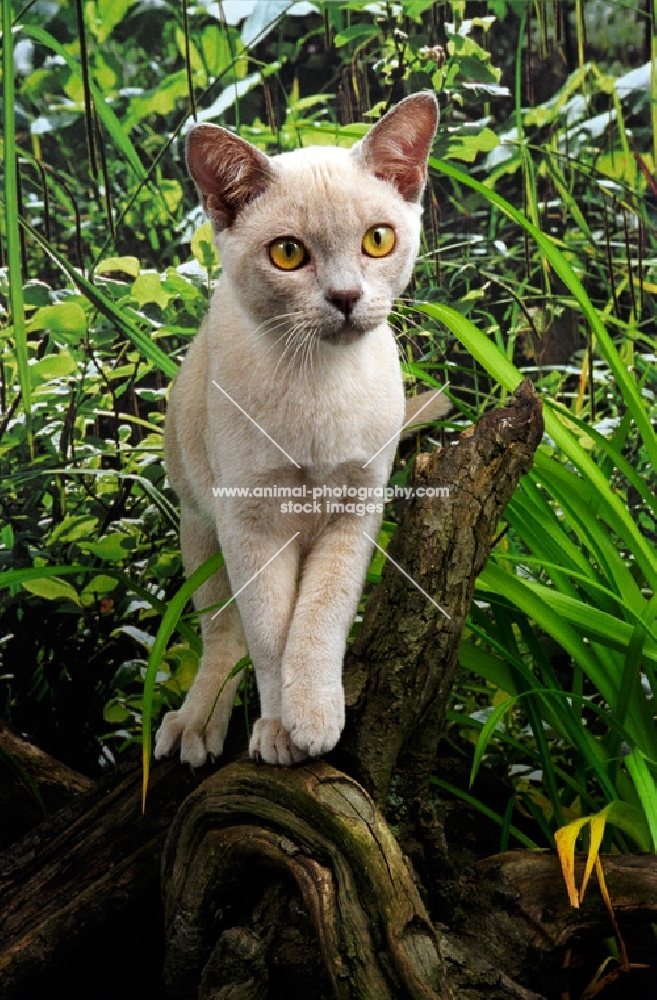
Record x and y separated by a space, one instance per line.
333 575
266 605
198 731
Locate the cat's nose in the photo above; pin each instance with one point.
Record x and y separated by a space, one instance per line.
345 299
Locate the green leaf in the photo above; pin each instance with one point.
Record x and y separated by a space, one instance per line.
492 668
465 145
148 288
646 789
73 527
104 15
53 590
115 712
487 731
98 587
114 547
11 577
122 265
66 320
51 367
105 305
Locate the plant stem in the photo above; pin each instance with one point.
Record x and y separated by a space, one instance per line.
11 219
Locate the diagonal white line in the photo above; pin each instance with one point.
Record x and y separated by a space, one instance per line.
256 424
404 573
244 586
411 420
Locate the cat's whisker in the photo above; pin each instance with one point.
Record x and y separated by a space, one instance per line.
278 317
305 333
280 321
407 320
297 359
307 355
292 338
400 335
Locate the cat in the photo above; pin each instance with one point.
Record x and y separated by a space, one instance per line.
293 381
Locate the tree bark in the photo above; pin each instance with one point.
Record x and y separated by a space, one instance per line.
32 785
401 668
81 867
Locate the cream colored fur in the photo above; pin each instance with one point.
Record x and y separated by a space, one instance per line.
323 380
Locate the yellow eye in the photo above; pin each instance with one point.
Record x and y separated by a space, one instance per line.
379 241
287 253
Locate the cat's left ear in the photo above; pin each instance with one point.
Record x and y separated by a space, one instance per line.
396 149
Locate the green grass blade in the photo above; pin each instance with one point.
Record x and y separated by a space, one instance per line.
14 263
486 734
611 451
610 505
492 668
536 606
476 343
564 270
509 377
169 622
556 711
466 722
646 789
101 106
576 499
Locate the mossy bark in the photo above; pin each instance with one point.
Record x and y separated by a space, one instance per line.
400 671
317 828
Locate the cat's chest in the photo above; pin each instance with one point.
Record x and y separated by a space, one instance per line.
344 412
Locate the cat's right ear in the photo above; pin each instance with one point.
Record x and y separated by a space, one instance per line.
228 171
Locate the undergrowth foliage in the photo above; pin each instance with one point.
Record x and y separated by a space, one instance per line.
539 259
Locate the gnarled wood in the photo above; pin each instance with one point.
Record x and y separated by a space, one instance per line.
79 869
400 671
319 828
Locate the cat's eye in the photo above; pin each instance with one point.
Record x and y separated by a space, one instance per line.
288 254
379 241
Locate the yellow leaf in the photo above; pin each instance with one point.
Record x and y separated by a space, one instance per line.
565 838
597 824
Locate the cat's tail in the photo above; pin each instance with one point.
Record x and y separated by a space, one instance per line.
427 407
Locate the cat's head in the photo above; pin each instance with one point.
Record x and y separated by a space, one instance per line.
319 241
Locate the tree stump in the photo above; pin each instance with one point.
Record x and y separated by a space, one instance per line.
318 829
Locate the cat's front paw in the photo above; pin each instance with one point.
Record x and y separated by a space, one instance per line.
314 721
187 727
271 742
